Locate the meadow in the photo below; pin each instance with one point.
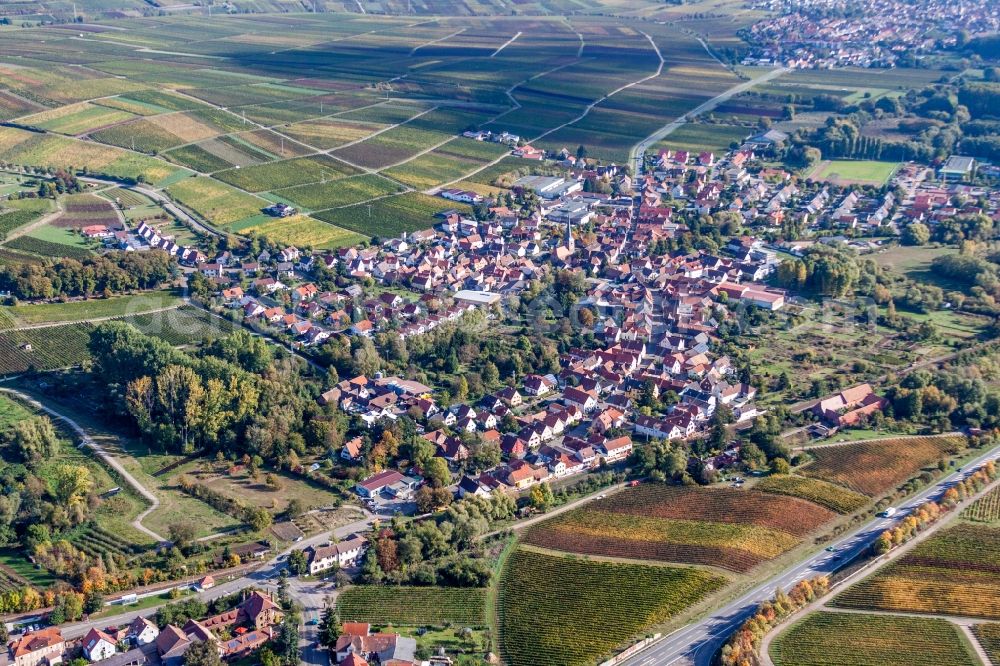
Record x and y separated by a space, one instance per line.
731 529
46 313
843 639
567 611
874 468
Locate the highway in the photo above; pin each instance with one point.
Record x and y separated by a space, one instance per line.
697 643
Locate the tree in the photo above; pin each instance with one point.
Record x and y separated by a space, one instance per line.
437 473
541 497
780 466
93 601
297 563
204 653
34 438
581 152
181 533
288 640
916 234
329 627
295 508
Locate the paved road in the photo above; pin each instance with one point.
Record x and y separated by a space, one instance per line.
697 643
87 440
264 577
639 151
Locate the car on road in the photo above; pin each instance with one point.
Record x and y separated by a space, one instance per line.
830 549
313 622
888 513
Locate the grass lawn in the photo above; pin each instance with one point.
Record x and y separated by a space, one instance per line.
11 412
854 172
43 313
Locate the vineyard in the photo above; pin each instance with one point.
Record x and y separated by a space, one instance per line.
422 606
986 509
98 542
182 326
43 348
825 494
954 572
564 611
85 209
849 639
876 467
66 345
44 248
988 636
732 529
9 580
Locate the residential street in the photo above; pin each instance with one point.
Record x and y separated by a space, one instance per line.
697 643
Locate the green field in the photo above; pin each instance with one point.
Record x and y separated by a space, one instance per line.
43 313
842 639
854 172
565 611
696 137
420 606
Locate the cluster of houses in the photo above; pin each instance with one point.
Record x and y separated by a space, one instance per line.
359 646
147 236
111 647
818 34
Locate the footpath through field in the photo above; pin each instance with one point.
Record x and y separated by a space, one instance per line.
87 440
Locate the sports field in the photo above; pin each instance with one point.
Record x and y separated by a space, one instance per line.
854 172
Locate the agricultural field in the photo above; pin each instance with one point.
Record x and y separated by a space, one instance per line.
986 509
851 172
58 152
697 137
47 313
390 147
419 606
874 468
988 636
18 212
81 210
287 173
76 119
302 231
825 494
731 529
216 202
390 217
567 611
328 133
49 247
954 572
847 639
338 193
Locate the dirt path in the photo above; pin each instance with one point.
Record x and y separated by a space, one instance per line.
87 440
91 320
